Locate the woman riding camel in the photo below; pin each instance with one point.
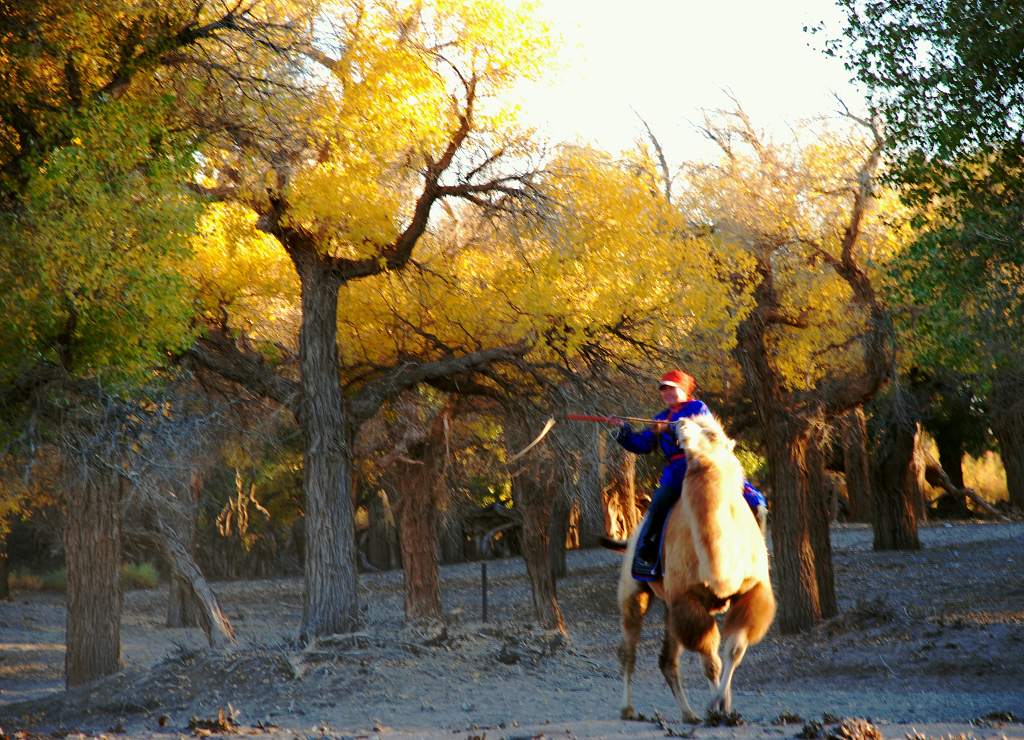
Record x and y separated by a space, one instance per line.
676 389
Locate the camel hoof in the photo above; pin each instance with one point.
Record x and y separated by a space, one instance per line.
715 706
691 719
627 713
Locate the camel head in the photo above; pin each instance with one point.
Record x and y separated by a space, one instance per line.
703 437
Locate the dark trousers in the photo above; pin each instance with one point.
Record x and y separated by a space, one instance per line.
662 501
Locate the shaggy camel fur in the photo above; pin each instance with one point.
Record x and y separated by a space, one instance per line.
715 561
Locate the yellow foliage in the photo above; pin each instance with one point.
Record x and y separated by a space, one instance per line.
610 259
408 74
788 207
242 273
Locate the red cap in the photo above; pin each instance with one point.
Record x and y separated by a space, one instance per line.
678 379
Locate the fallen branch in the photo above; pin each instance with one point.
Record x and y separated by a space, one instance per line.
936 476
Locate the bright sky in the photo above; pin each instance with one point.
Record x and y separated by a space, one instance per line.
669 59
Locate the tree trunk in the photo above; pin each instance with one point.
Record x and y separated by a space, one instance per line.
382 541
418 520
820 512
1009 431
451 542
92 544
857 466
801 563
536 553
895 476
950 443
215 624
589 494
418 479
533 492
558 532
618 489
182 608
1008 426
331 602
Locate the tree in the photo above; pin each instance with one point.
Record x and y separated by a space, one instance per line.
946 79
535 486
944 76
415 468
73 295
896 503
817 340
91 299
968 322
404 119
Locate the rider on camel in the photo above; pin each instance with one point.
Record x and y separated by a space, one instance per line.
676 389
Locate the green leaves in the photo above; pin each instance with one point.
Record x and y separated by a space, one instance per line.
948 79
90 259
961 285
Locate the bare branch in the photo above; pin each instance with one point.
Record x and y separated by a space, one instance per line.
218 352
662 162
370 397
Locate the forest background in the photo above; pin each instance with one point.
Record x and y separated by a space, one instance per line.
286 285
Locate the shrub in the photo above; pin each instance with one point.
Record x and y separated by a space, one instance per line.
133 576
138 575
55 580
987 476
25 582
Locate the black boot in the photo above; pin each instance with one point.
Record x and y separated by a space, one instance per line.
645 559
648 542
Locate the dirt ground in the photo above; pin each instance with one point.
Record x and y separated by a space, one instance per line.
927 644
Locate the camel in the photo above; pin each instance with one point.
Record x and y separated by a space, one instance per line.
715 561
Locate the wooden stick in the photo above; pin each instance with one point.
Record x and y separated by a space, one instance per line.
609 419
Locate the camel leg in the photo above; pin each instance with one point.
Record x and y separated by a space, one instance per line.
669 664
735 648
634 599
691 626
745 625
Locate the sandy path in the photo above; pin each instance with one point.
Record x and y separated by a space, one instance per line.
929 640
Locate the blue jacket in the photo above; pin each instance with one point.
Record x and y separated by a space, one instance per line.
675 469
755 499
647 440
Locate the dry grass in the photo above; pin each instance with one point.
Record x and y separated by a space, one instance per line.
985 474
54 580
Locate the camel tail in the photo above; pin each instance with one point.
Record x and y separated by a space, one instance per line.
608 542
